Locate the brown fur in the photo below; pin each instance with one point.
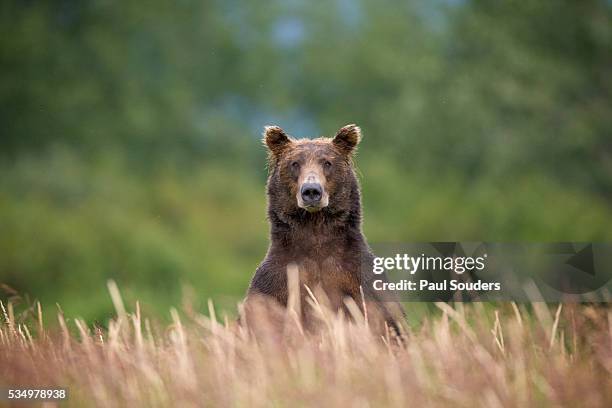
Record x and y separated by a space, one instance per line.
327 246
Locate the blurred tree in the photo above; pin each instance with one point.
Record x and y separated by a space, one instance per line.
103 74
526 90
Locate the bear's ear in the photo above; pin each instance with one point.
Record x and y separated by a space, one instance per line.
275 139
347 138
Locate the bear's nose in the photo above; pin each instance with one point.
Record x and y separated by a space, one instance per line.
311 193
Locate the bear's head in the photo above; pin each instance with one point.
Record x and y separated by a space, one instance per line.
312 177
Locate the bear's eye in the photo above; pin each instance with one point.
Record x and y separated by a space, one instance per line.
295 165
327 164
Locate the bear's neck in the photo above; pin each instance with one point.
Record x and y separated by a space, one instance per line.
314 233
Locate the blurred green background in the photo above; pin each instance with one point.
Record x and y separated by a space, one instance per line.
130 132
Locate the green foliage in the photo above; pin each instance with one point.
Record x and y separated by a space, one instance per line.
68 226
129 147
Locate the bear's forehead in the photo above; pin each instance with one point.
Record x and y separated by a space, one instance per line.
312 147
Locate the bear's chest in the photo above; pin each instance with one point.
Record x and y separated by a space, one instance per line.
330 276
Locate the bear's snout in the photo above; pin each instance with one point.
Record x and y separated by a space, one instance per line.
311 193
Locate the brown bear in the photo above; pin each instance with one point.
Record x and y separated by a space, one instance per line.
314 210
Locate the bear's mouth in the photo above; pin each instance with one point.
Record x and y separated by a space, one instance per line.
312 208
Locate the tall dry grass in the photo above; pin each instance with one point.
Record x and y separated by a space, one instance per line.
464 356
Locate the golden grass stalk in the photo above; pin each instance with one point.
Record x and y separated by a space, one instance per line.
472 356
